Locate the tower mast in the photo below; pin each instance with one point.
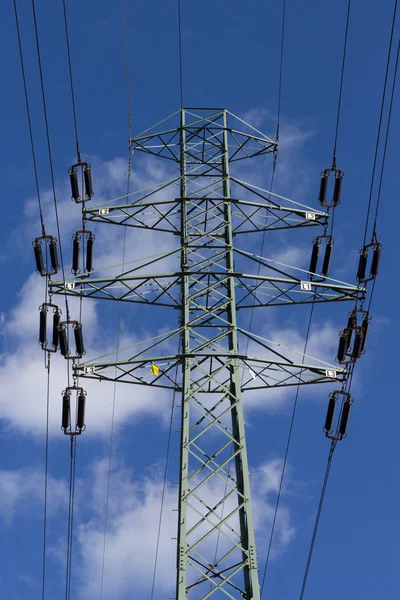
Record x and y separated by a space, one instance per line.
219 360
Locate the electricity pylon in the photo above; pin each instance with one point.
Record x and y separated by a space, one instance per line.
218 361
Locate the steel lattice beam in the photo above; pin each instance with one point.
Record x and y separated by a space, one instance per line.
252 290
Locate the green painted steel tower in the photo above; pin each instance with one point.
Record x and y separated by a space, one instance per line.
210 358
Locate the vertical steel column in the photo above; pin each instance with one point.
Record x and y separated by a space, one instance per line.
184 454
241 461
207 224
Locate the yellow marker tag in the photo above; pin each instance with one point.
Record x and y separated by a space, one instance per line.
155 370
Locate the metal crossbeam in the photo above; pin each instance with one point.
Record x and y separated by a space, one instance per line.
248 216
212 372
251 290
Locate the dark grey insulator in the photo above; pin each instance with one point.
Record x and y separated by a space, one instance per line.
80 416
345 418
66 412
56 324
364 326
337 190
73 177
89 253
323 188
330 413
362 265
80 349
351 325
314 257
75 253
43 326
351 321
327 259
376 257
357 345
37 248
53 255
343 344
63 340
87 176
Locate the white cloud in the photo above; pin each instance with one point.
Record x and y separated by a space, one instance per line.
23 377
322 346
256 117
22 373
22 493
131 538
133 517
293 256
133 525
293 135
268 477
23 396
21 370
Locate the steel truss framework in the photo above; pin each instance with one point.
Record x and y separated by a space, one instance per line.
219 360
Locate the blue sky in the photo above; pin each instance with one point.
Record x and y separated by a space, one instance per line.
231 57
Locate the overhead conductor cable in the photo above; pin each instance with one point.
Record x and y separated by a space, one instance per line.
343 419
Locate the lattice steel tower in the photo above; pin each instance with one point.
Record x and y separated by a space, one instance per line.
206 208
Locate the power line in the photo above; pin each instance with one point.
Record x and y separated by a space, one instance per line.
29 117
164 480
338 112
71 81
49 149
320 505
352 367
380 122
341 85
348 385
387 136
128 88
286 455
277 138
180 54
281 68
43 229
384 160
51 164
258 272
120 305
46 479
109 473
72 467
73 439
114 402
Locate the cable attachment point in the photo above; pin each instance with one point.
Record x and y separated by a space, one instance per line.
87 178
363 261
80 411
76 243
337 188
315 254
63 337
344 417
52 265
353 337
43 311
